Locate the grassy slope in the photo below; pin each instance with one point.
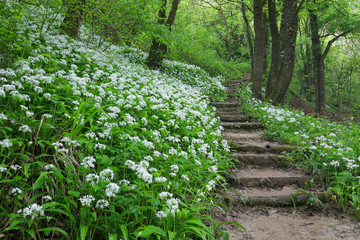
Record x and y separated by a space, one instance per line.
94 144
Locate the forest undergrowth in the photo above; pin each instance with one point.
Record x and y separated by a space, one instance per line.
94 145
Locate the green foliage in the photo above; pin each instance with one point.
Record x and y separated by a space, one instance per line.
94 145
205 46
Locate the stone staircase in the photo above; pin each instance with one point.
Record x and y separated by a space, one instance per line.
262 186
262 176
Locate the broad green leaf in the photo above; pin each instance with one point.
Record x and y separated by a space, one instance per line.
49 229
149 230
83 231
124 232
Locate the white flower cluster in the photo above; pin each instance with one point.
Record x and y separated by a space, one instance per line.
141 170
34 210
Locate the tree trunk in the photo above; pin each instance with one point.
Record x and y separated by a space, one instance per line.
158 49
248 36
318 65
260 48
289 26
73 17
275 49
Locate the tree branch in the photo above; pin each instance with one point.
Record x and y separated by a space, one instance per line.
327 49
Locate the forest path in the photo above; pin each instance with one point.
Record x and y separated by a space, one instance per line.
262 186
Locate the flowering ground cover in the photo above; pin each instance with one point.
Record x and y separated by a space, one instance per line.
330 149
93 145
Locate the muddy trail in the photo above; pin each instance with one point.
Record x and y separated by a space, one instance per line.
263 187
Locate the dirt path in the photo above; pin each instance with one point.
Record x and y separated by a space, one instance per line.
262 187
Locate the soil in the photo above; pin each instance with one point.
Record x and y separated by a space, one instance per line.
281 223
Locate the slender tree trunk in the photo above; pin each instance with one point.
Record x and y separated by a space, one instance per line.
289 26
158 49
73 17
260 48
248 36
318 65
275 49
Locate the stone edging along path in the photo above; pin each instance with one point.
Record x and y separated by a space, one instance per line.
262 186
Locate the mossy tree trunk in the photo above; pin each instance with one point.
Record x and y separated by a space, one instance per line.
73 17
158 48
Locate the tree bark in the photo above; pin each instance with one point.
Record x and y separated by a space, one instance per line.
158 49
73 17
318 65
260 48
288 34
248 36
319 61
275 49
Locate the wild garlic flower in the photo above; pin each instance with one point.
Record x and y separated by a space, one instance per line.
92 178
173 205
47 197
88 162
34 210
184 176
160 179
86 200
112 189
210 185
49 166
24 129
174 168
6 143
125 182
100 146
163 195
160 214
213 169
15 191
102 203
15 167
107 175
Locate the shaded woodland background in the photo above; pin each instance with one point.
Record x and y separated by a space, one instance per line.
302 52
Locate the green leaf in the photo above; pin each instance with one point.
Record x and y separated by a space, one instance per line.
30 232
49 229
235 223
39 182
83 231
171 235
224 234
124 232
149 230
113 236
74 193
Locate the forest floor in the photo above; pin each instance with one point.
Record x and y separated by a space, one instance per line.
262 186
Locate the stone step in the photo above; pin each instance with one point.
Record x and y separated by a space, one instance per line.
232 91
261 147
232 85
242 125
267 178
242 134
239 81
219 105
234 110
260 160
269 197
235 118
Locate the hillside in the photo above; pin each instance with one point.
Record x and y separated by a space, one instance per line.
95 145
